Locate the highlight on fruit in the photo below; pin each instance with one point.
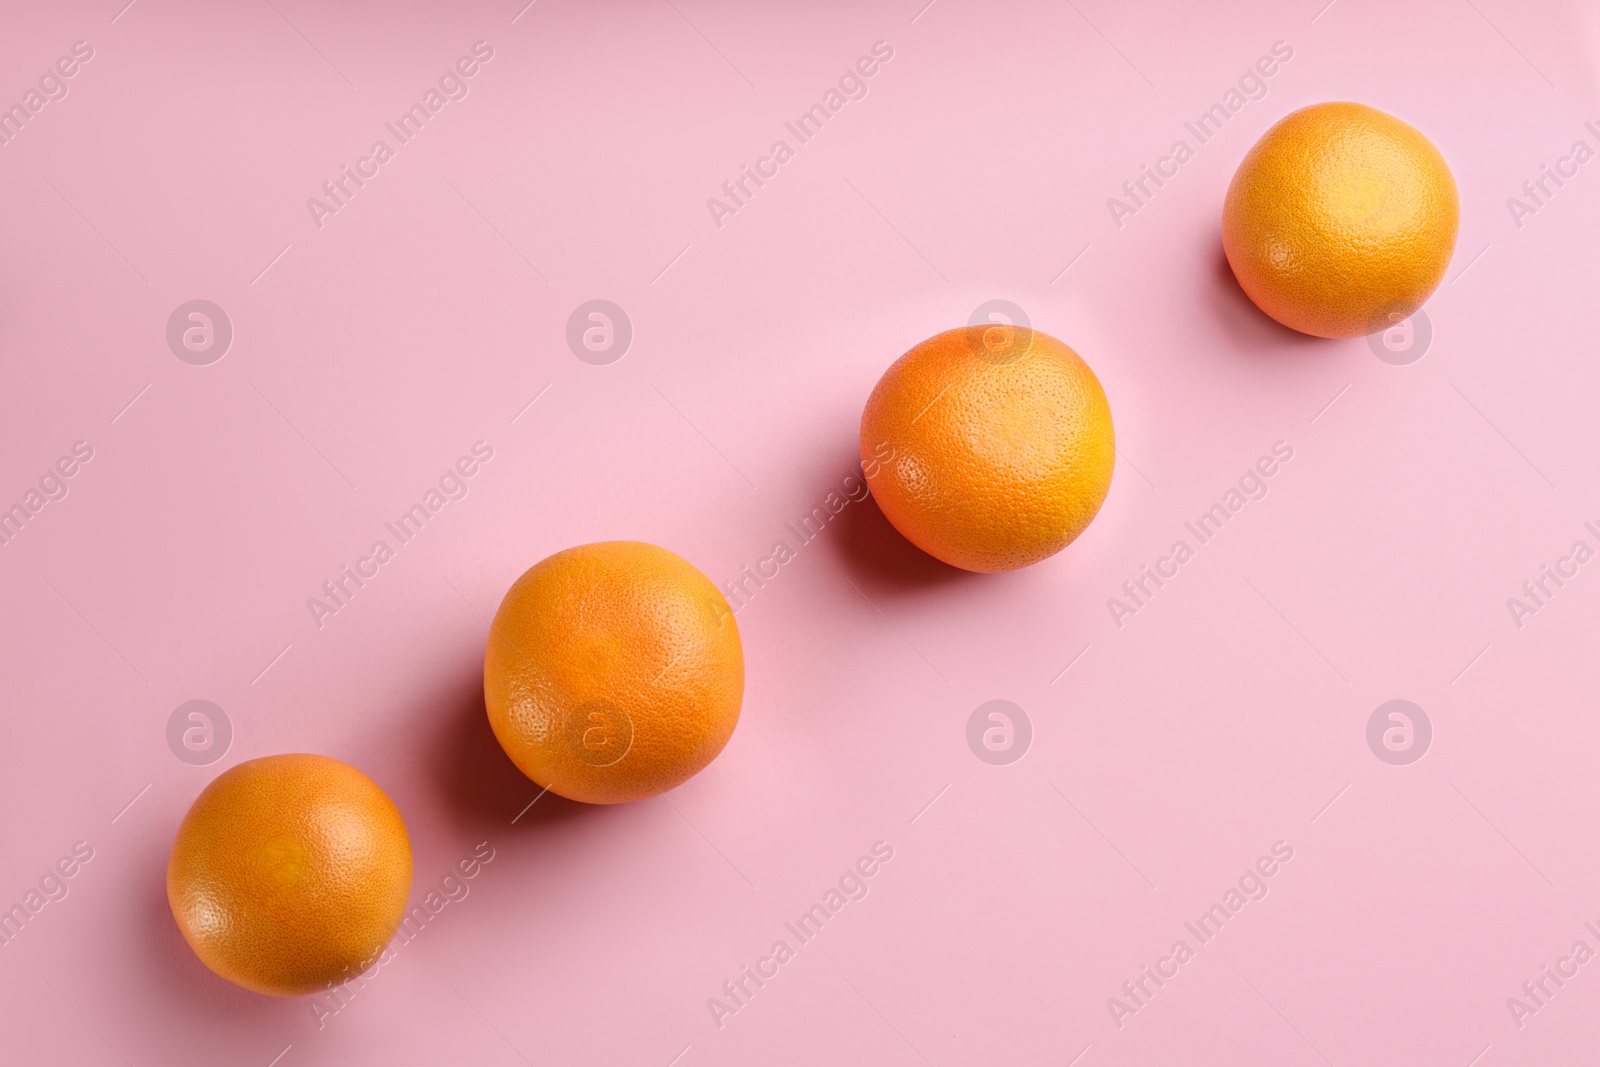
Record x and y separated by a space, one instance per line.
1341 220
989 447
613 672
290 874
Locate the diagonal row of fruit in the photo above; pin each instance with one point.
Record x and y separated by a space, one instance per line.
614 671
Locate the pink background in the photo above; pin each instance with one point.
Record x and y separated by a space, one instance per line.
1227 715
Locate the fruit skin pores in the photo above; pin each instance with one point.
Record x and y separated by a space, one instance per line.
613 672
289 874
1340 221
989 447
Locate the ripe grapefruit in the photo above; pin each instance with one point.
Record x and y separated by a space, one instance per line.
989 447
1340 221
613 672
290 874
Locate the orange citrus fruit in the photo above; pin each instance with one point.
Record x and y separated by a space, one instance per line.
1341 220
290 874
613 672
989 447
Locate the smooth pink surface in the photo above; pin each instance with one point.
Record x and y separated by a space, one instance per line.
1223 717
